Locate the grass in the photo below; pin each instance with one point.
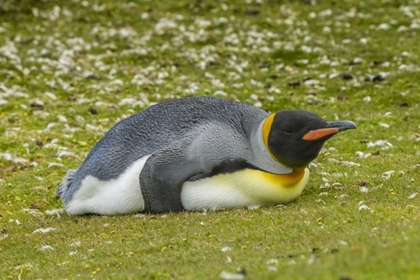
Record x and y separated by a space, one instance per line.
71 69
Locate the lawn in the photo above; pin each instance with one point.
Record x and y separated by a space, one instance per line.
69 70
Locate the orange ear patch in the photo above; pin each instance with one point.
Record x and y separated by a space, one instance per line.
320 133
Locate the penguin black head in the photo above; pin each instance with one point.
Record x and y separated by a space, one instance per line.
295 137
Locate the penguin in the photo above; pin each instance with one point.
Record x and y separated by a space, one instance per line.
195 154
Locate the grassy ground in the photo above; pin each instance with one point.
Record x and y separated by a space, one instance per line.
69 70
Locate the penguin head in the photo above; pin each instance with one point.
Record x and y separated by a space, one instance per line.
295 137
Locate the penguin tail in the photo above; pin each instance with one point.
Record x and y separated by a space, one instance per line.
66 183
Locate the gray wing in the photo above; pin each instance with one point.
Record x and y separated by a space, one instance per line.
204 153
162 177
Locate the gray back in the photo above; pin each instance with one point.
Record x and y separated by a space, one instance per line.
160 125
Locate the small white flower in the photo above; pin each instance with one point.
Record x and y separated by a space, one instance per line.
117 82
342 243
384 125
38 103
126 101
220 93
76 244
55 164
15 221
4 236
66 154
363 41
272 268
306 49
311 82
258 104
54 212
363 207
367 99
50 95
357 60
383 26
363 155
225 249
385 145
326 29
43 230
412 196
312 165
386 175
232 275
311 259
414 25
349 163
346 41
46 248
325 13
9 157
364 190
272 261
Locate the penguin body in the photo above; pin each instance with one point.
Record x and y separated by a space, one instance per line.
197 153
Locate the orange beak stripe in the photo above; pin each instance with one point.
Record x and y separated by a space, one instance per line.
320 133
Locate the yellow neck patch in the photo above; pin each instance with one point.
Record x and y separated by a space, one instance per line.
266 129
286 180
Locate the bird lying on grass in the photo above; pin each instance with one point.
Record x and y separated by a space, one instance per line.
198 153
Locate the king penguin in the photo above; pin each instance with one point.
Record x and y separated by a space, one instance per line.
197 153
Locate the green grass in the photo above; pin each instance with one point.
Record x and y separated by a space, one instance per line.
94 56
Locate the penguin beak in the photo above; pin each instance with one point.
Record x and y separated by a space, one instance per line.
330 129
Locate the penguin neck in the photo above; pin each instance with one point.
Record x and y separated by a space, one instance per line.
259 145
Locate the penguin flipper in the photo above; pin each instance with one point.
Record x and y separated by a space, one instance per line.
162 177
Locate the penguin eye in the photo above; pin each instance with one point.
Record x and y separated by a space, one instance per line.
288 132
